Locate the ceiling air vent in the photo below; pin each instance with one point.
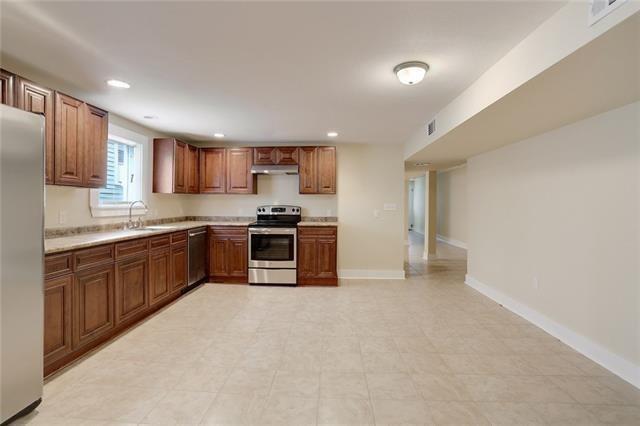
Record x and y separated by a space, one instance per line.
431 127
598 9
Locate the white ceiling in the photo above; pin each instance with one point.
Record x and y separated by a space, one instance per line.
267 71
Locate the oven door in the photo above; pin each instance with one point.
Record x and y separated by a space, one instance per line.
272 247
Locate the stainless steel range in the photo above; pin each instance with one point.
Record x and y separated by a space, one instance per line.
273 245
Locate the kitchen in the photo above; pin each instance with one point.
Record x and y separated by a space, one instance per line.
205 212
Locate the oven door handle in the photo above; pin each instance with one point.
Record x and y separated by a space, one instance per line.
273 231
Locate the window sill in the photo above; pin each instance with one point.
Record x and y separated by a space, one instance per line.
116 211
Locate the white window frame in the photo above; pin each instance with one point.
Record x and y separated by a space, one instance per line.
120 134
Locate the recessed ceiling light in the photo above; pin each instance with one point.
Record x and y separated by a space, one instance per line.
150 117
119 84
332 134
218 135
423 164
411 73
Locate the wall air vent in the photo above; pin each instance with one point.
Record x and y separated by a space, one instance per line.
431 127
598 9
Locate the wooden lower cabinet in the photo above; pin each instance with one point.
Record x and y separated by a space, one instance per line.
57 317
317 255
159 275
179 267
228 257
132 295
93 304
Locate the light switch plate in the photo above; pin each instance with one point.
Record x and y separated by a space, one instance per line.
390 206
62 217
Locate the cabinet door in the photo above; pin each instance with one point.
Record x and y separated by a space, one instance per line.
131 288
286 155
96 135
307 255
239 177
179 167
307 157
160 285
69 141
39 100
212 171
179 267
193 165
57 318
326 258
264 156
93 304
326 169
237 264
7 81
218 263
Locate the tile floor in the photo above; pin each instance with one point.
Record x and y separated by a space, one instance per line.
426 350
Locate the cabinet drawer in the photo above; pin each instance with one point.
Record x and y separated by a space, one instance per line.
178 237
317 231
131 248
232 231
58 264
93 256
159 242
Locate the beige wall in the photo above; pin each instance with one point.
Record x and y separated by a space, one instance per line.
564 208
452 205
74 202
368 177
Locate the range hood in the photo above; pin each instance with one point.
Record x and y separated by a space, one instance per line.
278 169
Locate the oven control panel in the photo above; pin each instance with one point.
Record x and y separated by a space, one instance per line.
279 210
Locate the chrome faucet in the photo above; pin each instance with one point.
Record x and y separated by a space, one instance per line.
138 223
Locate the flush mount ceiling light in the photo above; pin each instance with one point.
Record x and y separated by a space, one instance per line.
411 73
218 135
150 117
119 84
332 134
423 164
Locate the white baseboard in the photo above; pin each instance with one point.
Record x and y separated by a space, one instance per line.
371 274
592 350
452 241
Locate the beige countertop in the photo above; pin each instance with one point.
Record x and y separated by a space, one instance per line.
73 242
313 223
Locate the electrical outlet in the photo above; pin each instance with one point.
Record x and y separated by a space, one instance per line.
376 213
62 217
534 282
390 206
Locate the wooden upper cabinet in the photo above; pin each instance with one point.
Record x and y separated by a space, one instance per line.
212 171
96 136
326 169
264 155
239 177
286 155
34 98
193 166
69 141
307 156
7 87
171 165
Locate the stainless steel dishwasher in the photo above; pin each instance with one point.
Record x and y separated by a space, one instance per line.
197 255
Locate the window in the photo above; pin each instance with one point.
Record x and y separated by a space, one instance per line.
125 151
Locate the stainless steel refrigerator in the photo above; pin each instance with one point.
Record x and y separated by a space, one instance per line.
21 261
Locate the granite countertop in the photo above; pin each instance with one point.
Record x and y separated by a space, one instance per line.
317 223
73 242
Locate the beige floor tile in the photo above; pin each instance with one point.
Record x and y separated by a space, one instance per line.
346 362
345 412
626 415
513 365
388 412
417 345
249 382
343 385
589 390
565 414
180 408
342 344
456 413
552 365
200 376
301 361
296 383
383 362
286 410
513 389
510 413
424 363
440 387
391 386
234 409
377 344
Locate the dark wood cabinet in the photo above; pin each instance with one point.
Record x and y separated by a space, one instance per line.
275 155
69 141
179 266
132 295
180 167
95 145
93 304
240 180
57 318
317 170
287 155
159 275
212 171
7 87
228 257
317 255
193 166
264 155
34 98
